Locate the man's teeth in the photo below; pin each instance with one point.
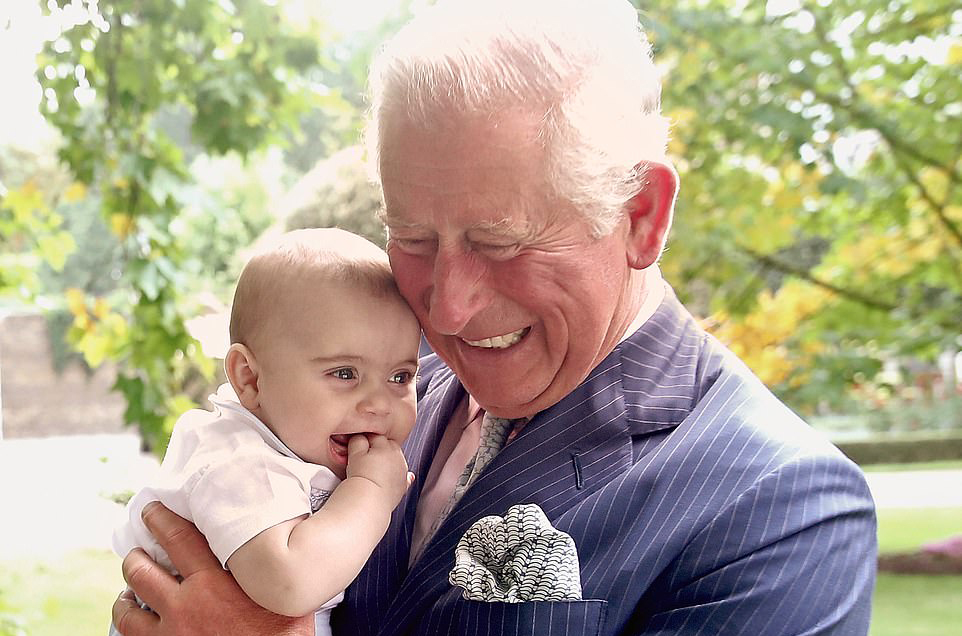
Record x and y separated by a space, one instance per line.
498 342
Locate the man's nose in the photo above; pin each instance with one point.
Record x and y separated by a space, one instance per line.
458 290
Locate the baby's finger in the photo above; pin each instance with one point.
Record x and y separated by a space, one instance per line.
411 479
357 444
377 440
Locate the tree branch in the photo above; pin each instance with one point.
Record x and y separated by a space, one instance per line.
770 261
938 208
951 325
867 119
111 67
860 115
937 16
845 76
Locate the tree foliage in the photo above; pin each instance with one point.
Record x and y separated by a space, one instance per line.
820 217
31 236
819 226
116 71
337 192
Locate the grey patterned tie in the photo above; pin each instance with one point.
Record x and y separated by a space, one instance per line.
494 433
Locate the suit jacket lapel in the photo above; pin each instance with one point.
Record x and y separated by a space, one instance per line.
440 400
561 455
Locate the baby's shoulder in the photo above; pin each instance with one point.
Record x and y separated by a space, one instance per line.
201 438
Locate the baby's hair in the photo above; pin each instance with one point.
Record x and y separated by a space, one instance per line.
325 254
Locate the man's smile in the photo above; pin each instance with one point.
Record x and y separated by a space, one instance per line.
500 342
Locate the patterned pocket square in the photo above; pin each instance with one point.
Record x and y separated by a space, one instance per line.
516 558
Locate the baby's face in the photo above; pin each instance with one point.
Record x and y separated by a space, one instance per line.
338 361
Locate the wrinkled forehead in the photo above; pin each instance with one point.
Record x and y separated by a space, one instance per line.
510 125
469 151
493 171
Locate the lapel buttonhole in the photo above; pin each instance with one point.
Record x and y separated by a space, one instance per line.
579 476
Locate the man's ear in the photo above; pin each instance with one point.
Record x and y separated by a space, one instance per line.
650 212
242 372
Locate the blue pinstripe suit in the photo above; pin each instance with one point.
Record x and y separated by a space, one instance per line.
699 504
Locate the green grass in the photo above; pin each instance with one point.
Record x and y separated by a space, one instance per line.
915 605
71 595
944 464
905 529
909 605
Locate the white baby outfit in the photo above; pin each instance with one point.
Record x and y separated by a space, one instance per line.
233 478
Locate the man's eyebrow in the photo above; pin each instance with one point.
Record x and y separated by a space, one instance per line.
495 227
397 222
506 225
394 218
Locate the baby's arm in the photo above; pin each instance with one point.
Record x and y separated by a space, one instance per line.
295 567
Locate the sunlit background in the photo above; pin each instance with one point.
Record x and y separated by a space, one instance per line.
145 145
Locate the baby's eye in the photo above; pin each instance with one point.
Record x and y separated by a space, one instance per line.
346 373
402 377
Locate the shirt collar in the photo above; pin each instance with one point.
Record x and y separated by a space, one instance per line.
653 297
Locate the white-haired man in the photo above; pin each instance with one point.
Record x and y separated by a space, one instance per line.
528 198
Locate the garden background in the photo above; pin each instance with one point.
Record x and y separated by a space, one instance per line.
145 145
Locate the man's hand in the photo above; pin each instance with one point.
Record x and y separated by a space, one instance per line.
206 602
379 459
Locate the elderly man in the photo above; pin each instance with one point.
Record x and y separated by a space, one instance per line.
527 199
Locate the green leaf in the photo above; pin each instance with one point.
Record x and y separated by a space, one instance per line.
55 249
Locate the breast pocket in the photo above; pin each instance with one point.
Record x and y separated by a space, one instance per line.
544 618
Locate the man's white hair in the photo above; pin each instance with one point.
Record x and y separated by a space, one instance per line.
581 67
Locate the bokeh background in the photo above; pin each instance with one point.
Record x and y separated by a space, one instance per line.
146 145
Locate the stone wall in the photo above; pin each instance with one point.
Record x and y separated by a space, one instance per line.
38 401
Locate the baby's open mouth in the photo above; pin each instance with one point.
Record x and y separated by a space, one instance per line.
339 447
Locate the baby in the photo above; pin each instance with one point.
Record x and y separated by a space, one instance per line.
294 474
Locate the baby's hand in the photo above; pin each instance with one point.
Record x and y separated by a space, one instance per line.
380 460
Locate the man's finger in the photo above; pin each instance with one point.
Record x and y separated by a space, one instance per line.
152 582
184 544
129 618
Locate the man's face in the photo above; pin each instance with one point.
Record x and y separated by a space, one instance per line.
509 286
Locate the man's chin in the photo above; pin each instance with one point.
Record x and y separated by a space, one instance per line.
509 399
